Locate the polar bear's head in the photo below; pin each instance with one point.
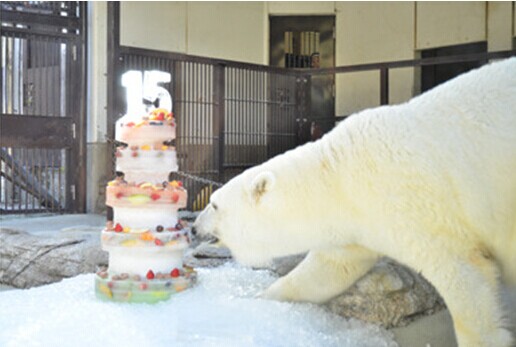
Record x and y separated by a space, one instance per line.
254 215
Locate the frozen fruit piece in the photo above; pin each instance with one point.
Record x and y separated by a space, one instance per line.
147 236
134 154
133 148
139 231
112 183
180 183
129 243
110 284
158 242
118 228
145 148
169 115
145 185
161 116
119 195
174 273
126 229
174 184
139 124
171 243
102 274
175 197
138 199
150 275
144 286
130 124
159 228
155 196
106 290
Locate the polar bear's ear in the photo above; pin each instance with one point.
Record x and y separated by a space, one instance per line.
262 183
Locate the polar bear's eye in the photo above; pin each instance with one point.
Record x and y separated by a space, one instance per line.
215 207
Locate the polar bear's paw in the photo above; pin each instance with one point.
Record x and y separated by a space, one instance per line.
281 290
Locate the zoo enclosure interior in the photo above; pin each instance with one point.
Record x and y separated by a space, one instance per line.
234 115
231 115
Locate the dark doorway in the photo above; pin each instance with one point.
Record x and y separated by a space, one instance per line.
307 42
434 75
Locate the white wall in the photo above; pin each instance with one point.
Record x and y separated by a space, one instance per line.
369 32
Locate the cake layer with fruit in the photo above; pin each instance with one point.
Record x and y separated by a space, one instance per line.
120 193
151 288
159 126
141 158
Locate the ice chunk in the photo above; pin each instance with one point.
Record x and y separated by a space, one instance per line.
221 310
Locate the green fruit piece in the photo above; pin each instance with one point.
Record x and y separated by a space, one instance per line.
139 199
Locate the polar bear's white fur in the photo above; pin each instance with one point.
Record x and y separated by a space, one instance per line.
430 183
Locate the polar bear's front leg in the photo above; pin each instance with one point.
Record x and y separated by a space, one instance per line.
323 275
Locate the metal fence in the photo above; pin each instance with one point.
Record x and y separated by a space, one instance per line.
230 116
42 104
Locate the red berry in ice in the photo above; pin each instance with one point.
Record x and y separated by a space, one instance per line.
150 275
175 197
161 116
118 228
119 195
180 183
143 286
158 242
155 196
134 154
175 273
130 124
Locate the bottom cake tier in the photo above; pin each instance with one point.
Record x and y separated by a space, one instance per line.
135 289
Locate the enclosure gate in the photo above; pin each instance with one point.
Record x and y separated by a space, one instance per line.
43 107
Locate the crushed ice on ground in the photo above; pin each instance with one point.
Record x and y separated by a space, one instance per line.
221 310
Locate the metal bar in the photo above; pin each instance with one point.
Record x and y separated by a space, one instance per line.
384 86
18 17
219 81
113 70
410 63
33 33
135 51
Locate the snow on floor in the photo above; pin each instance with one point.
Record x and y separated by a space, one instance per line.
220 311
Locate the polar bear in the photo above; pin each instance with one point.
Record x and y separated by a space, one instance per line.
430 183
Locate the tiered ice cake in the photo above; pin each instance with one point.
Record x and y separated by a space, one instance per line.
145 239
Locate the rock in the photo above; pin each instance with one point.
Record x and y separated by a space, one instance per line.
390 294
207 255
284 265
27 260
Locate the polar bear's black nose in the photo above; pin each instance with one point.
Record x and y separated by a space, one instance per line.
194 231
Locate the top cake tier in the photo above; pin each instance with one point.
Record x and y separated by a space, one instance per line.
156 127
